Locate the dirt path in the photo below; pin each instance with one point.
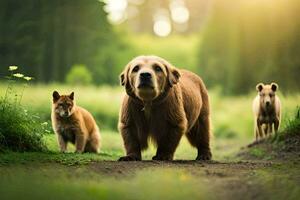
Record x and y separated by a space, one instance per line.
210 168
245 179
223 180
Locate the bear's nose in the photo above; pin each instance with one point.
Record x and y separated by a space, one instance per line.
145 75
267 103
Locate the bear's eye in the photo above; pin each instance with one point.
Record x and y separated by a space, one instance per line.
157 68
136 68
60 104
271 95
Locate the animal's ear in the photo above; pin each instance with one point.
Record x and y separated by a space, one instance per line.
71 96
274 87
55 96
173 73
259 87
123 78
174 76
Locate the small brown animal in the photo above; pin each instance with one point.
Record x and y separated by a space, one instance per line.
74 124
163 103
266 110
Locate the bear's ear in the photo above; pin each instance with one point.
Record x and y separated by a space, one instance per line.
124 75
122 78
72 96
55 96
274 87
174 76
173 73
259 87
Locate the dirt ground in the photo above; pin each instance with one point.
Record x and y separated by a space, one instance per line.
225 180
245 176
252 179
197 168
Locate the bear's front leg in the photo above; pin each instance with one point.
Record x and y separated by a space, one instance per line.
276 124
167 143
80 142
131 144
259 129
62 143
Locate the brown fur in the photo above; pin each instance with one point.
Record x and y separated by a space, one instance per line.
175 102
74 124
267 110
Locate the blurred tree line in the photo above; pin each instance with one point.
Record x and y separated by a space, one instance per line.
46 37
241 42
246 42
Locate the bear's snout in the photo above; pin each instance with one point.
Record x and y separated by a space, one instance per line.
145 80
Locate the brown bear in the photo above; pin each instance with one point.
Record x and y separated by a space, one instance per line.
163 103
267 110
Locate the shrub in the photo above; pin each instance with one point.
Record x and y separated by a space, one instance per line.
292 127
20 130
79 75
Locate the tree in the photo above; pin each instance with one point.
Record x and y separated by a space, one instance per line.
245 43
45 38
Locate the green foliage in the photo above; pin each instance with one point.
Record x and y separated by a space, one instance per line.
247 42
116 56
79 75
48 37
68 159
291 128
223 131
179 50
257 152
20 130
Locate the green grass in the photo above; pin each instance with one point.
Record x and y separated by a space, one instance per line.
231 115
292 126
103 102
111 150
232 120
279 181
20 129
179 50
257 152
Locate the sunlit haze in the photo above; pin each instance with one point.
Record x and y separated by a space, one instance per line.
176 14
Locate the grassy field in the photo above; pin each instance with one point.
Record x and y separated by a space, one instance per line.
232 120
52 175
231 115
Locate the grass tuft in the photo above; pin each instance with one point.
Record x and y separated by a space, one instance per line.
20 130
292 127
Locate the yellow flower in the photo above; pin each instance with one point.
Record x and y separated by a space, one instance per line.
18 75
27 78
12 68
